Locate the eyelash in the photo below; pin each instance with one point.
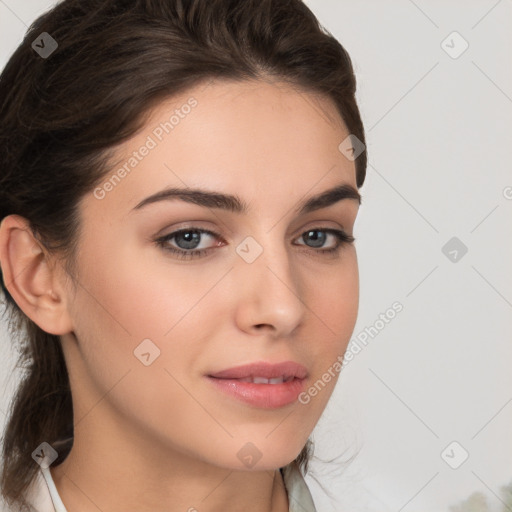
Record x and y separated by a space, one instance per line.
342 238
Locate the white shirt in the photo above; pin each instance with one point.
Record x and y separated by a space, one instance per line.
43 495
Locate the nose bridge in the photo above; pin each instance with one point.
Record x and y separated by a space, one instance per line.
270 288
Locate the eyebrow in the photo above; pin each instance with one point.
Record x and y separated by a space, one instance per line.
233 203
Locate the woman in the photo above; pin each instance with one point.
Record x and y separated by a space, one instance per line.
179 185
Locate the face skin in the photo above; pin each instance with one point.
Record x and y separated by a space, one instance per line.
162 435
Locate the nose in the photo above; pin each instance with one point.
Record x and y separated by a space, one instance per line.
269 293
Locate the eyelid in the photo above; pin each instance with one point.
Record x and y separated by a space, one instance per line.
186 225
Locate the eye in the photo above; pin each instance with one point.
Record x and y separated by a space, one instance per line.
185 242
340 238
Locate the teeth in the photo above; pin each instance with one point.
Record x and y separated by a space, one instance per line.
263 380
260 380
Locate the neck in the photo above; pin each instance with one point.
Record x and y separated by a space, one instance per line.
122 471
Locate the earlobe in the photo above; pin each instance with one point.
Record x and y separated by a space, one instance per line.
32 278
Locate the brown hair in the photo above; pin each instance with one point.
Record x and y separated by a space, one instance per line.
61 115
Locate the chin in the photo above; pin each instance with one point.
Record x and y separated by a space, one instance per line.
258 454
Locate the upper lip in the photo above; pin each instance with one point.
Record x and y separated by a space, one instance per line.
286 369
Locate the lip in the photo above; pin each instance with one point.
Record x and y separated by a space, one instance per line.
263 369
267 396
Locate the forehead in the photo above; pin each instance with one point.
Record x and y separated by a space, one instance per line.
261 138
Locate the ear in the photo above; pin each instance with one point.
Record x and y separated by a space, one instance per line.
32 277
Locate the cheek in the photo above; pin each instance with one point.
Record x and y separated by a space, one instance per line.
130 305
117 308
334 299
136 295
334 302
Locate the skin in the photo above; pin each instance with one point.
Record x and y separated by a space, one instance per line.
162 433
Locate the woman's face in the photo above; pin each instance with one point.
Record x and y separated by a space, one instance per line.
154 320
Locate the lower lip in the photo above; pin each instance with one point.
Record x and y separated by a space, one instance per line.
267 396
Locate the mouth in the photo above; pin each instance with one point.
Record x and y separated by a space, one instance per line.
262 385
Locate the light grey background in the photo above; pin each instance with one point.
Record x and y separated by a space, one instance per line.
439 136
